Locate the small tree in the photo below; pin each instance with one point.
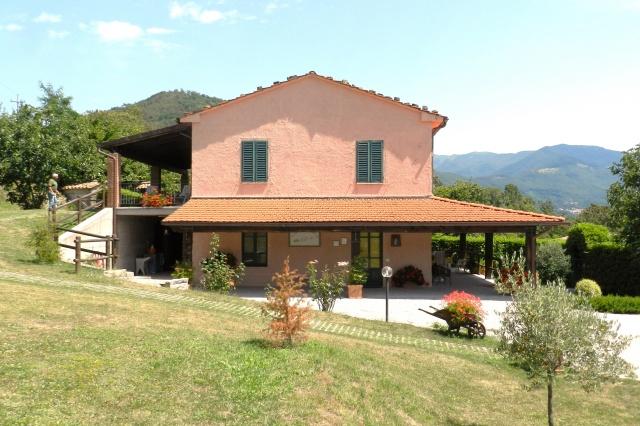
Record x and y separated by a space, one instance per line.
329 286
552 263
43 242
550 333
218 274
284 307
624 197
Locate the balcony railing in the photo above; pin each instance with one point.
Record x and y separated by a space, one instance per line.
143 194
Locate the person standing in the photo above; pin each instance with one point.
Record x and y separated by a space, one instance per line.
52 191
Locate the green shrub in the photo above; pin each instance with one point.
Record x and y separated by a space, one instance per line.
614 267
552 263
329 285
616 304
183 270
42 241
358 273
588 288
582 237
217 275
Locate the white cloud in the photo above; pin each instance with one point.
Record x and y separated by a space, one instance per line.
159 30
11 27
47 17
117 31
57 34
274 5
195 12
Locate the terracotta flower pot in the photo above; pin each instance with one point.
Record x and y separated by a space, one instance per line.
354 291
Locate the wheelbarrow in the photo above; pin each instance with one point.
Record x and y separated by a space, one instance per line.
474 327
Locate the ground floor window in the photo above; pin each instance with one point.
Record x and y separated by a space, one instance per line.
254 248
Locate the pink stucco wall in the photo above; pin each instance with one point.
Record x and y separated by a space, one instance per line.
415 250
312 126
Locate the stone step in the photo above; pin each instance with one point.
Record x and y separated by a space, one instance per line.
119 273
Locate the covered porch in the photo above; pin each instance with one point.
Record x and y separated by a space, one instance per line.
389 231
141 205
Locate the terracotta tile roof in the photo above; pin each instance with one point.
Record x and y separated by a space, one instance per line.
85 185
393 210
345 83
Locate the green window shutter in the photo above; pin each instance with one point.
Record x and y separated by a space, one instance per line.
375 161
247 161
254 161
369 161
261 160
362 161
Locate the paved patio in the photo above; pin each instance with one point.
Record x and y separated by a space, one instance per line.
404 304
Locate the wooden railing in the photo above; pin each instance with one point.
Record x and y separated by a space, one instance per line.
109 254
84 205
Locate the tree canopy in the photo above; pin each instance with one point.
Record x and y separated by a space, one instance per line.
510 197
624 197
37 141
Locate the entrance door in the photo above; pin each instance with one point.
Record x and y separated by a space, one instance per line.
369 246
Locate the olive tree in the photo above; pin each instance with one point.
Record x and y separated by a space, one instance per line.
551 333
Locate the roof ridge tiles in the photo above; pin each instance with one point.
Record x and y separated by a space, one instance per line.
344 83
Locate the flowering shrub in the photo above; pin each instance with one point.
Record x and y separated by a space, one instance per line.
326 287
217 274
512 274
408 274
462 304
156 200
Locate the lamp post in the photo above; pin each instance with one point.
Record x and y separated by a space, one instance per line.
386 274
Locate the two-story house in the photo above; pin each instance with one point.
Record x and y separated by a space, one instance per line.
311 168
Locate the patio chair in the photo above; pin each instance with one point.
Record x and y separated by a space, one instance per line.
184 195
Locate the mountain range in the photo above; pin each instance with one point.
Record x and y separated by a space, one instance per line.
571 176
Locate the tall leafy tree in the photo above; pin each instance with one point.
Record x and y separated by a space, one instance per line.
114 124
624 197
36 141
600 215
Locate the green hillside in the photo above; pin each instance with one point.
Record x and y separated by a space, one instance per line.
163 108
571 176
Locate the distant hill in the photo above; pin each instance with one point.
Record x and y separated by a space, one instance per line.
572 176
163 108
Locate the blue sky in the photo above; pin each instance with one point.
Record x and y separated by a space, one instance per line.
511 75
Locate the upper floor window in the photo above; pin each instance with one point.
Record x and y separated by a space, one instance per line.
254 161
369 161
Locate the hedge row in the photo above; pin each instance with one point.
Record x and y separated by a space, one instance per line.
616 304
502 244
614 268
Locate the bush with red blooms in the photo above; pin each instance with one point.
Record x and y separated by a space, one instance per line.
408 274
463 306
512 274
156 200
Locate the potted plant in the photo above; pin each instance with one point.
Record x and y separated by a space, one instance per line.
358 276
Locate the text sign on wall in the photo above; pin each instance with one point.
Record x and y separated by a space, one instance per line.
304 239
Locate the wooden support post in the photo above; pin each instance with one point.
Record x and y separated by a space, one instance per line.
488 255
79 207
78 257
107 252
462 246
113 181
156 177
530 248
54 225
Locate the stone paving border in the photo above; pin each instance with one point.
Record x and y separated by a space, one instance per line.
254 312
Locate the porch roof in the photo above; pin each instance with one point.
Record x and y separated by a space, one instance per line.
168 147
388 213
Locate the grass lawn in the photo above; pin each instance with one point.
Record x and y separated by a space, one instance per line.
90 350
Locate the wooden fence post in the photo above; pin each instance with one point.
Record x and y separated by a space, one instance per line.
107 251
79 207
78 258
